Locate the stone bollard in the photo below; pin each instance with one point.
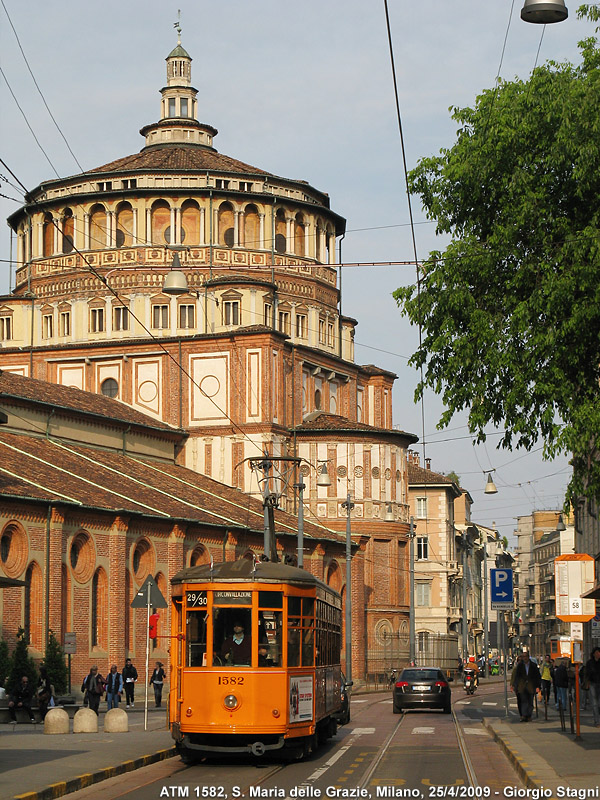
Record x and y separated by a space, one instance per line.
116 721
56 721
85 721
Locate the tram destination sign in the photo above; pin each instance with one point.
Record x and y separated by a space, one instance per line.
232 598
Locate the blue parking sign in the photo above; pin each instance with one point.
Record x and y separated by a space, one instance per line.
501 589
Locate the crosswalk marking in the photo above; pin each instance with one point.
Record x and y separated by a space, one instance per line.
423 730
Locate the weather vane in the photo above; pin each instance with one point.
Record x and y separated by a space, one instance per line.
177 26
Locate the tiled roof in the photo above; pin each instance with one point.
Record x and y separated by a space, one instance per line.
68 397
48 470
176 157
418 475
322 421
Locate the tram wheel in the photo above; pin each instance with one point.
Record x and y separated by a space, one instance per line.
189 757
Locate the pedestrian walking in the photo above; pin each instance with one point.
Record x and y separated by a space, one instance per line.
561 681
526 682
93 688
157 680
21 698
546 672
114 688
130 676
592 671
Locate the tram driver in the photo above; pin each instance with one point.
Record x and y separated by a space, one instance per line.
237 648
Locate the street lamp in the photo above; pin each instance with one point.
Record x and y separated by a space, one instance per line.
542 12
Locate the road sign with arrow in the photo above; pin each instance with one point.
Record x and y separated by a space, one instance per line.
501 592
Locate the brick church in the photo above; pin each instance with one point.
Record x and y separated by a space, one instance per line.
177 313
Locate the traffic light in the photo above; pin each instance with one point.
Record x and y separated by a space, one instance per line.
153 626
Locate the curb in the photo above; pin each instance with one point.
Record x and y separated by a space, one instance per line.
523 759
82 781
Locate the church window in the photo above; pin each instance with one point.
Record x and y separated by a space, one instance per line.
280 232
183 107
322 338
97 227
190 222
143 560
160 316
64 320
47 326
121 318
284 322
109 388
124 233
172 110
82 557
333 397
245 186
231 312
6 328
301 326
268 315
96 320
360 396
48 236
220 183
13 550
34 606
187 316
299 239
68 231
330 334
99 621
225 223
251 227
161 220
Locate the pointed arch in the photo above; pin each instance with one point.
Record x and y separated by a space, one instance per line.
124 232
34 606
99 616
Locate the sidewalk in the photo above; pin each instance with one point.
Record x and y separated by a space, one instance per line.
35 766
546 757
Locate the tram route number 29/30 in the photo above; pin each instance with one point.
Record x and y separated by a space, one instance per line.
195 599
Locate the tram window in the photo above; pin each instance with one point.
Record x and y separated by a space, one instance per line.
293 647
294 606
232 636
196 638
270 599
269 638
308 648
308 607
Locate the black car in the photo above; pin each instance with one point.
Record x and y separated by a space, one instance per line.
342 716
422 687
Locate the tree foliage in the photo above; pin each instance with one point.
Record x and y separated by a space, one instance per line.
510 310
54 661
22 664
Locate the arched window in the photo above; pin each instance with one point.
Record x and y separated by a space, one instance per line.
299 233
48 242
65 601
280 231
14 550
161 223
124 233
334 576
128 612
318 230
99 621
97 227
34 606
251 228
68 231
190 223
82 557
199 556
143 560
225 222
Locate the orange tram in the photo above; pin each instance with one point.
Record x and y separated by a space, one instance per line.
255 660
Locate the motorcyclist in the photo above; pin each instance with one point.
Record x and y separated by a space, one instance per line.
471 670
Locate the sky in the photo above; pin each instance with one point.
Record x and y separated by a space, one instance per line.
302 90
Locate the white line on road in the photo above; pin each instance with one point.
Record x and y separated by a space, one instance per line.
475 731
489 704
423 730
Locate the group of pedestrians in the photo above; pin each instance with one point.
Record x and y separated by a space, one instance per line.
23 695
118 683
527 680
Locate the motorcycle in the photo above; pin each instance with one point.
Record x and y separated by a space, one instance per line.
470 682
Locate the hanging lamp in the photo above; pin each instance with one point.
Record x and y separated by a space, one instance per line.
544 12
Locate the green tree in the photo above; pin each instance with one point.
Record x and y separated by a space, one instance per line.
5 661
54 661
510 310
22 663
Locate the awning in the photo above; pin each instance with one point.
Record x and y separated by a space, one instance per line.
6 582
593 593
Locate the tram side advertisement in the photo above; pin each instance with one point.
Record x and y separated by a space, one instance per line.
301 698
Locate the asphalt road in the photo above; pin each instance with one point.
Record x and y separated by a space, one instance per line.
377 755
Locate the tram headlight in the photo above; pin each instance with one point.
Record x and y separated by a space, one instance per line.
231 701
275 712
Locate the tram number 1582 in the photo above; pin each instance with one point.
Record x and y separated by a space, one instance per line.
231 680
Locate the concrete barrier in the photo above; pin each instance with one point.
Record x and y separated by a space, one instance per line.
85 721
116 721
56 721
